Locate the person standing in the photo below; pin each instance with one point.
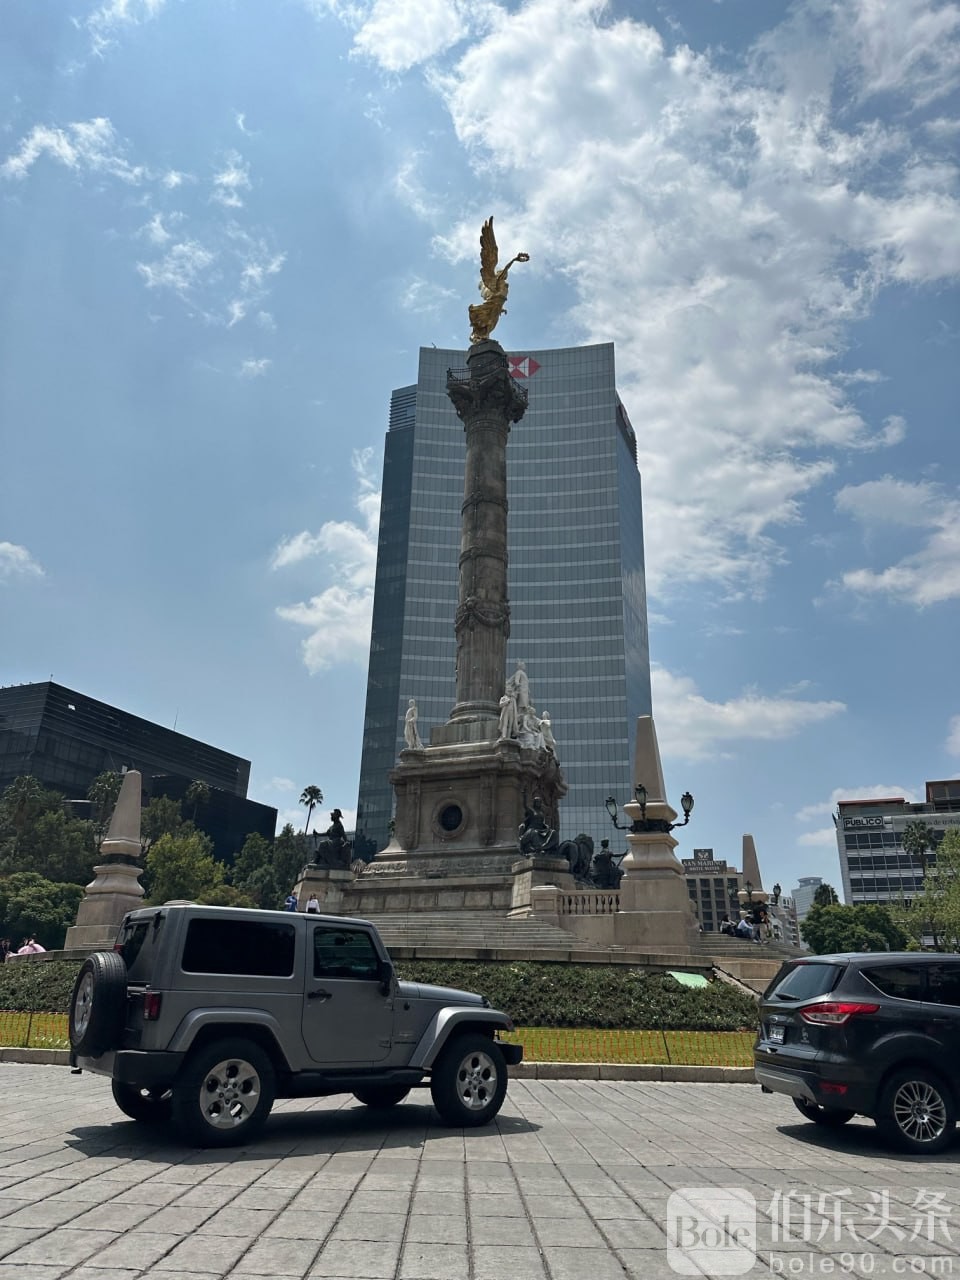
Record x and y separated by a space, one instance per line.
313 905
290 903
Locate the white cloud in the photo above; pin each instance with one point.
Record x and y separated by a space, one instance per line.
17 561
930 575
953 737
338 618
691 728
233 178
254 368
181 268
424 297
87 145
110 18
723 225
156 232
172 179
280 784
824 836
870 791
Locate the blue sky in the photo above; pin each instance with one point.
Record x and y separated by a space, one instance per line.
227 227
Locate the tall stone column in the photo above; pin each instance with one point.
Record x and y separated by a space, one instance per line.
487 400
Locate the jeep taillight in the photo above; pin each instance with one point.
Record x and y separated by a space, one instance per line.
151 1006
835 1012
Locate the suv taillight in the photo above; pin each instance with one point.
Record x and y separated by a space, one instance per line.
835 1012
151 1006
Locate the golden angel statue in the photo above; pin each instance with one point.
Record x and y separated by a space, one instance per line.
493 286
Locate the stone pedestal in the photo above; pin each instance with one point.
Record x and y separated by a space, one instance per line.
116 888
329 885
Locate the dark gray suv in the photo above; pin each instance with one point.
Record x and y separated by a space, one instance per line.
874 1034
204 1015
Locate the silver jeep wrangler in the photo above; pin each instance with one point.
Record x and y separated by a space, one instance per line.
204 1015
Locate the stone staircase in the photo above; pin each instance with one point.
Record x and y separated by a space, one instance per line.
478 935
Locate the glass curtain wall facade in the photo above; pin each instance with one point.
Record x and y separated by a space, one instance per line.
576 576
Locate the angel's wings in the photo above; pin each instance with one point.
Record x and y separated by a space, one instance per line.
488 255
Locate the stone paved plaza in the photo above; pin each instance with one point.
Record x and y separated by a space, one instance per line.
573 1182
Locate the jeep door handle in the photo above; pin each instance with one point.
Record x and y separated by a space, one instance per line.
320 994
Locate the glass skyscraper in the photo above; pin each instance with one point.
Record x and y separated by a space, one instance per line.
576 576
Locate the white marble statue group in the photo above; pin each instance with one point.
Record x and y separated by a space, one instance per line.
519 718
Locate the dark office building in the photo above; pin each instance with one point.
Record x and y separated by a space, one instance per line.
65 739
576 576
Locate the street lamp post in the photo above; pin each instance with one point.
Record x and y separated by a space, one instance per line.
643 824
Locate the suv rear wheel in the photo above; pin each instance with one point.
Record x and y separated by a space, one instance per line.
828 1117
149 1106
469 1081
224 1093
381 1096
916 1111
98 1004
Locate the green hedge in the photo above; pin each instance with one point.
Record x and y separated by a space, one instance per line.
535 995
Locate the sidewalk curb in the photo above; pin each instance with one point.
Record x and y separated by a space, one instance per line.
666 1073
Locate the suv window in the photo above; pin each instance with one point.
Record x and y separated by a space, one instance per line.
943 984
806 980
251 948
902 981
344 953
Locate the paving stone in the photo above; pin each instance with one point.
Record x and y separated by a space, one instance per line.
583 1264
213 1255
514 1231
12 1238
499 1262
368 1225
429 1228
357 1260
278 1257
137 1249
58 1247
433 1261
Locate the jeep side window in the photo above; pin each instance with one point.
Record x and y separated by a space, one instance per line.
344 953
902 981
943 984
247 948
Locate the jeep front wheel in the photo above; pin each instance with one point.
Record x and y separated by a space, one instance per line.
469 1081
224 1093
381 1096
149 1106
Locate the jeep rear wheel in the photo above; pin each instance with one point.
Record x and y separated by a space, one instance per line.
224 1093
382 1096
98 1004
916 1112
149 1106
825 1116
469 1081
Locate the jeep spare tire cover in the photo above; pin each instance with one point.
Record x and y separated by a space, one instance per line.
98 1004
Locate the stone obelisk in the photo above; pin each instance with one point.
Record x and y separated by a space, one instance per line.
117 888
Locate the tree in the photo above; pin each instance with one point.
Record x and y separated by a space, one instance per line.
182 866
197 794
162 817
917 839
837 927
311 797
290 856
825 896
934 911
32 906
22 802
102 794
254 873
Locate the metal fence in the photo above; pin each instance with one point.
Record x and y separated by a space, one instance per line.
33 1030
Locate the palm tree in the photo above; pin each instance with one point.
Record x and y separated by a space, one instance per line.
311 797
197 793
917 839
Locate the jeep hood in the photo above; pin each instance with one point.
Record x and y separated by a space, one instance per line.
442 995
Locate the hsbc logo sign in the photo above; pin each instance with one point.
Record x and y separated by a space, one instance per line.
522 366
